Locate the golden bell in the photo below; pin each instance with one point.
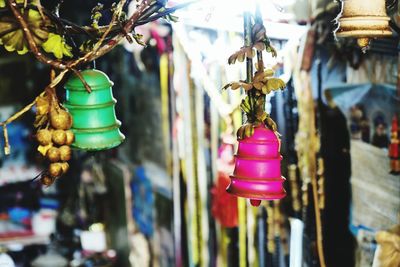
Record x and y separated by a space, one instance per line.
363 19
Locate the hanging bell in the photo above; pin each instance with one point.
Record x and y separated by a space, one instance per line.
363 19
257 173
94 122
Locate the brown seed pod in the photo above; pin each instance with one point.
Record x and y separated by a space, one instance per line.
55 169
43 137
59 137
47 180
64 167
65 153
60 119
53 154
70 137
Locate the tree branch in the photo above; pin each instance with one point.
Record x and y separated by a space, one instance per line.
58 64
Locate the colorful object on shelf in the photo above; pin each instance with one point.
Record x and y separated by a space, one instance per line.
394 148
94 121
257 173
363 20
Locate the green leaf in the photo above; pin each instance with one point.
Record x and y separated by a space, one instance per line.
56 44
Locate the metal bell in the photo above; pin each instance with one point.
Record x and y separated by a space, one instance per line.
257 173
363 19
94 122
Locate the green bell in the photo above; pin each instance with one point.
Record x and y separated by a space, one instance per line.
94 122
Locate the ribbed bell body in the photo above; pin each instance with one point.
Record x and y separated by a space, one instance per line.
363 19
94 121
257 173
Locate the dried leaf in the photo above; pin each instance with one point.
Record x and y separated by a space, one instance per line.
248 130
247 86
138 38
43 149
261 116
271 124
245 105
265 90
258 32
42 105
260 46
238 55
271 49
260 102
259 76
240 132
40 120
258 85
235 85
250 53
274 84
244 108
226 86
241 57
268 73
232 59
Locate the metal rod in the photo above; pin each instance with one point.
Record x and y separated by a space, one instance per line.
242 204
248 42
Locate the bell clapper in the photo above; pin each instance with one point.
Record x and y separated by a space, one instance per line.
255 202
363 43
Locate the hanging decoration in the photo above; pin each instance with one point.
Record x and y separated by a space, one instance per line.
94 121
363 20
257 173
28 26
54 136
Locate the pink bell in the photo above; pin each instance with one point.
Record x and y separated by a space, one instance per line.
257 173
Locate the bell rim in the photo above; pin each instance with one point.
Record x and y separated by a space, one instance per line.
116 125
364 33
364 18
254 158
250 141
111 145
268 196
94 106
97 87
274 179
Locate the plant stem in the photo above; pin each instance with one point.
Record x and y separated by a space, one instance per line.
249 64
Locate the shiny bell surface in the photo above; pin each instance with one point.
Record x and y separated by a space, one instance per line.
94 121
257 173
363 19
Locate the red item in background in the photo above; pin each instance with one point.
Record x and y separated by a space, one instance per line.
394 142
224 205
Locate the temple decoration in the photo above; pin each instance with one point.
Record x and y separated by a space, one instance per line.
257 173
54 137
94 121
363 20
